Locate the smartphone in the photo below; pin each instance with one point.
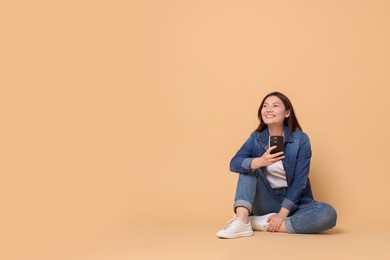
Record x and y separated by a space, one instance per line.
278 141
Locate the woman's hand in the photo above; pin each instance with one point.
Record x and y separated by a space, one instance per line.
276 221
267 158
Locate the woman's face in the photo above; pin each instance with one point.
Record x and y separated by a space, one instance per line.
273 111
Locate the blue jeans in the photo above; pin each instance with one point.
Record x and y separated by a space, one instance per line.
255 193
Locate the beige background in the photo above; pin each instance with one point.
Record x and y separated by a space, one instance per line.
119 119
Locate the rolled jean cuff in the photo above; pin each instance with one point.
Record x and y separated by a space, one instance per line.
289 226
243 203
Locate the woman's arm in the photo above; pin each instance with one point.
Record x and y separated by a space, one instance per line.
241 162
244 160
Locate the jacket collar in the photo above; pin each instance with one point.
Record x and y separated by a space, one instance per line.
263 136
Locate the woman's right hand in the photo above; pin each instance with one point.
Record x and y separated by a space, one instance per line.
267 158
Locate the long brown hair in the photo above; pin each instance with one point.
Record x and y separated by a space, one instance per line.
291 121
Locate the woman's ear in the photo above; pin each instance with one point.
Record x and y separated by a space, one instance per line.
287 113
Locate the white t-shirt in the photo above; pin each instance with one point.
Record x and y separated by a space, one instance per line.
276 175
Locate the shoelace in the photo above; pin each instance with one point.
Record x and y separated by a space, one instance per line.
230 222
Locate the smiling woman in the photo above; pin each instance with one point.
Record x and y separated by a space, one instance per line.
273 191
278 107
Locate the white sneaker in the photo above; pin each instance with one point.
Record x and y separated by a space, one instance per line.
236 228
260 223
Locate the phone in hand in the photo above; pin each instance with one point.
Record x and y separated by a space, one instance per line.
278 141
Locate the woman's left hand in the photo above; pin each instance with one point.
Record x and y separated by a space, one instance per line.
275 221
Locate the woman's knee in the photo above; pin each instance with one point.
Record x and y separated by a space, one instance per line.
328 214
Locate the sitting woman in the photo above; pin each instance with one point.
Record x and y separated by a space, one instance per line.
273 190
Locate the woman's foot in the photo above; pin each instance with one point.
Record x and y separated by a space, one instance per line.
236 228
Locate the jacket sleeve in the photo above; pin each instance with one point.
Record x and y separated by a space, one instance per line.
241 162
299 182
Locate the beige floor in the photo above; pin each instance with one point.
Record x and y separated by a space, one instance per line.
198 241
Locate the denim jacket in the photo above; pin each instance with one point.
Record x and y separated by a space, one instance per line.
296 163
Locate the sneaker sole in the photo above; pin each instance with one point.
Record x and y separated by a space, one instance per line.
242 234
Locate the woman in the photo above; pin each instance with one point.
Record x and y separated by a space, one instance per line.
273 191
